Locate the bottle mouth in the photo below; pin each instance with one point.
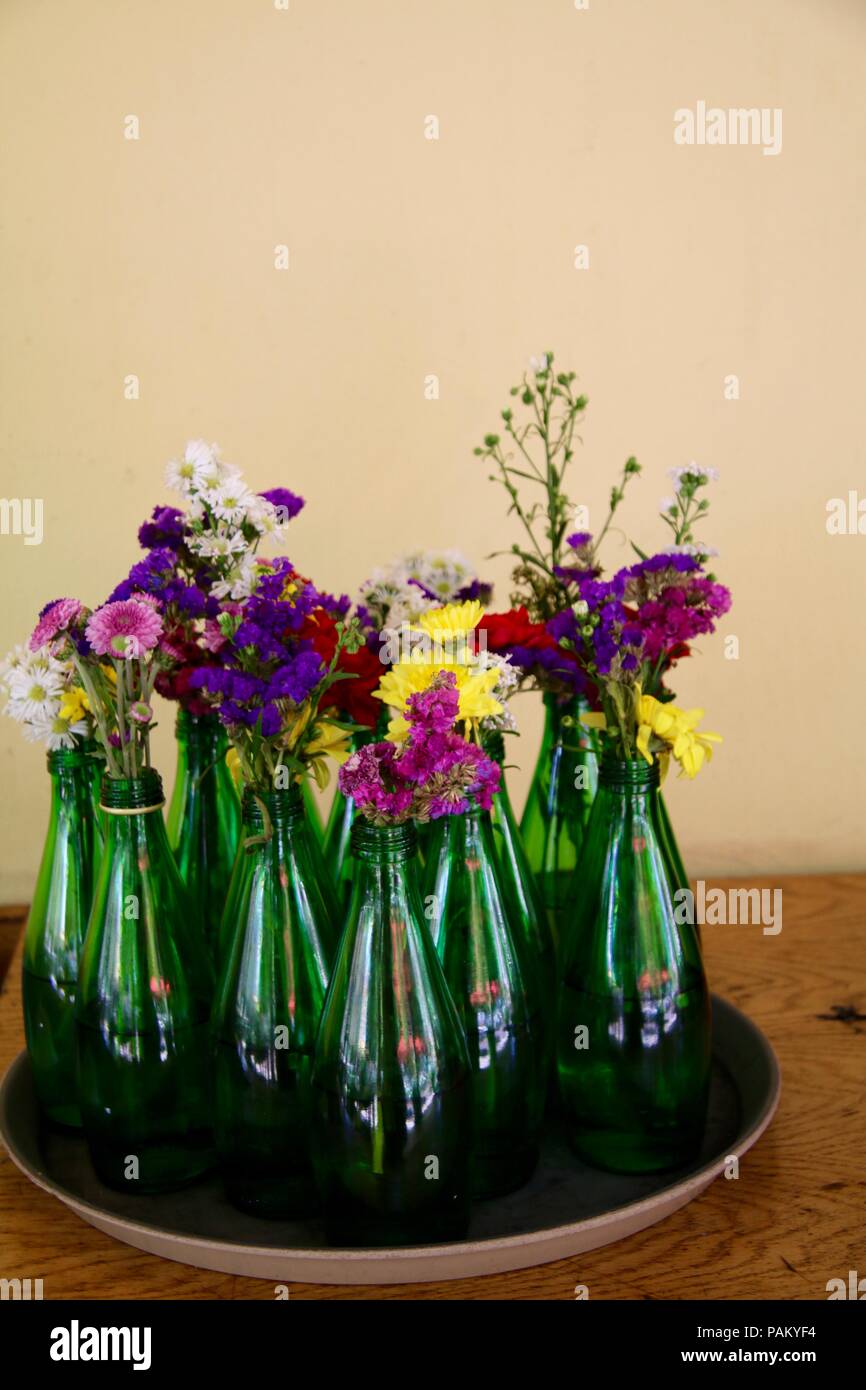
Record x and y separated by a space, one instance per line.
283 805
624 773
142 793
60 758
384 843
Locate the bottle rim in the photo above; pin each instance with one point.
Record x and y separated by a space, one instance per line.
130 794
283 805
383 843
60 758
626 773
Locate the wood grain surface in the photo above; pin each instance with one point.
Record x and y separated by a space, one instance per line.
794 1218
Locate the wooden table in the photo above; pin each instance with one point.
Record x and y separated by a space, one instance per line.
795 1218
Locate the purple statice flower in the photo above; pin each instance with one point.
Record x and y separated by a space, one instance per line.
670 601
298 677
337 608
478 590
157 575
434 709
369 778
165 527
288 502
265 664
580 561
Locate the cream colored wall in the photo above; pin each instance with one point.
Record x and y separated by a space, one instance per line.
454 257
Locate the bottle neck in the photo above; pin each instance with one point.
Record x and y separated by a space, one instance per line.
283 809
494 746
384 844
201 737
71 771
626 776
123 796
361 737
558 709
70 761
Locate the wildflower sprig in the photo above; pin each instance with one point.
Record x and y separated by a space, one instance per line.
687 507
531 456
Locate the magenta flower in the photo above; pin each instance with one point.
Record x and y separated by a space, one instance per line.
125 629
434 773
54 618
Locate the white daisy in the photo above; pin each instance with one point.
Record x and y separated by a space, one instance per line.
230 501
55 732
35 687
217 545
187 475
239 581
262 514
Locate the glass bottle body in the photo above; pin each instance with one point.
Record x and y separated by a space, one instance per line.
338 833
56 927
204 817
633 1020
142 1012
493 980
521 887
392 1117
558 806
267 1010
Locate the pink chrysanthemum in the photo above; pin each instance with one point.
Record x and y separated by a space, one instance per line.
53 619
124 629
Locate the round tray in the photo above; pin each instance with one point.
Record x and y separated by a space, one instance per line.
565 1209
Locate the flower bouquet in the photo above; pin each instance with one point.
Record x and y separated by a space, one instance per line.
195 558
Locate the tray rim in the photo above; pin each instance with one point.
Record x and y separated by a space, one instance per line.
410 1258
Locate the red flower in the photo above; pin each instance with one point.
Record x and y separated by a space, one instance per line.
353 697
514 629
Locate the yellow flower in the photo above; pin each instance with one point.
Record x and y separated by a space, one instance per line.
296 725
233 763
690 748
74 704
673 726
330 739
453 619
677 728
653 718
409 677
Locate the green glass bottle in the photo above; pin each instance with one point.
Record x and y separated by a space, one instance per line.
96 761
56 927
528 913
391 1086
338 832
143 1005
314 815
560 799
268 1006
633 1022
204 817
670 841
494 983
